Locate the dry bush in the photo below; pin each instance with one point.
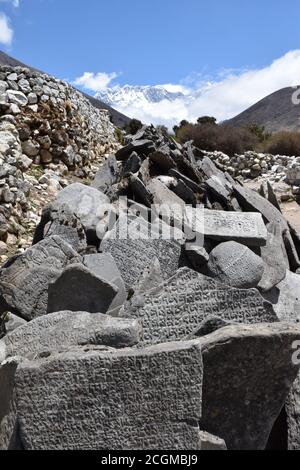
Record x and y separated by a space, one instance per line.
224 138
283 143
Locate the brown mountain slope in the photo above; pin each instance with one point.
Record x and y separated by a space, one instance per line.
119 119
276 112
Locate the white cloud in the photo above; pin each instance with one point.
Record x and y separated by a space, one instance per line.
225 97
6 32
95 82
14 3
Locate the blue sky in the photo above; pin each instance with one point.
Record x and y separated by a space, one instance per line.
145 42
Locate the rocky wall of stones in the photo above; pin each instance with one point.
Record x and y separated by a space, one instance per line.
115 336
260 166
49 135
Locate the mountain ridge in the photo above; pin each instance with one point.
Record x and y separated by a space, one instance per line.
119 119
276 112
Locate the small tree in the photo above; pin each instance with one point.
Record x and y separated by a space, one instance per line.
133 126
207 120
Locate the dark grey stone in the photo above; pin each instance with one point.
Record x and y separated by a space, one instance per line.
24 283
162 159
132 165
247 229
267 191
58 220
252 201
142 147
197 256
190 183
88 204
248 373
107 175
275 259
79 290
133 252
59 331
292 408
178 307
7 403
140 191
235 265
112 400
103 265
285 298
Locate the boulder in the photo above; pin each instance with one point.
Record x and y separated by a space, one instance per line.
292 409
235 265
275 259
285 298
88 204
95 387
247 229
141 147
133 247
104 266
17 97
107 175
197 256
7 404
57 219
79 290
132 165
177 308
61 330
25 280
248 373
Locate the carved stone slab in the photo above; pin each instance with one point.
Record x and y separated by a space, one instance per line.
179 306
112 400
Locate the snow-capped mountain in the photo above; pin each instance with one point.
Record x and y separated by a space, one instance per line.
127 95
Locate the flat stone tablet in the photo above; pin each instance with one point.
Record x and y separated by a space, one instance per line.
112 400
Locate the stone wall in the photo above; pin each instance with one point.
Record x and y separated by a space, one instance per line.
252 165
49 134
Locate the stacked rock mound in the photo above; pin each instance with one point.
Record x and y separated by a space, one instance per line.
115 336
48 130
252 165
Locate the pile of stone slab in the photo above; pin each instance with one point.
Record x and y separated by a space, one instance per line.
156 309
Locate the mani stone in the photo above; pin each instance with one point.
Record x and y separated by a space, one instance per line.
248 372
25 281
252 201
7 403
58 220
107 175
235 265
133 250
88 204
79 290
292 409
275 259
104 266
59 331
112 400
177 308
285 298
245 228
